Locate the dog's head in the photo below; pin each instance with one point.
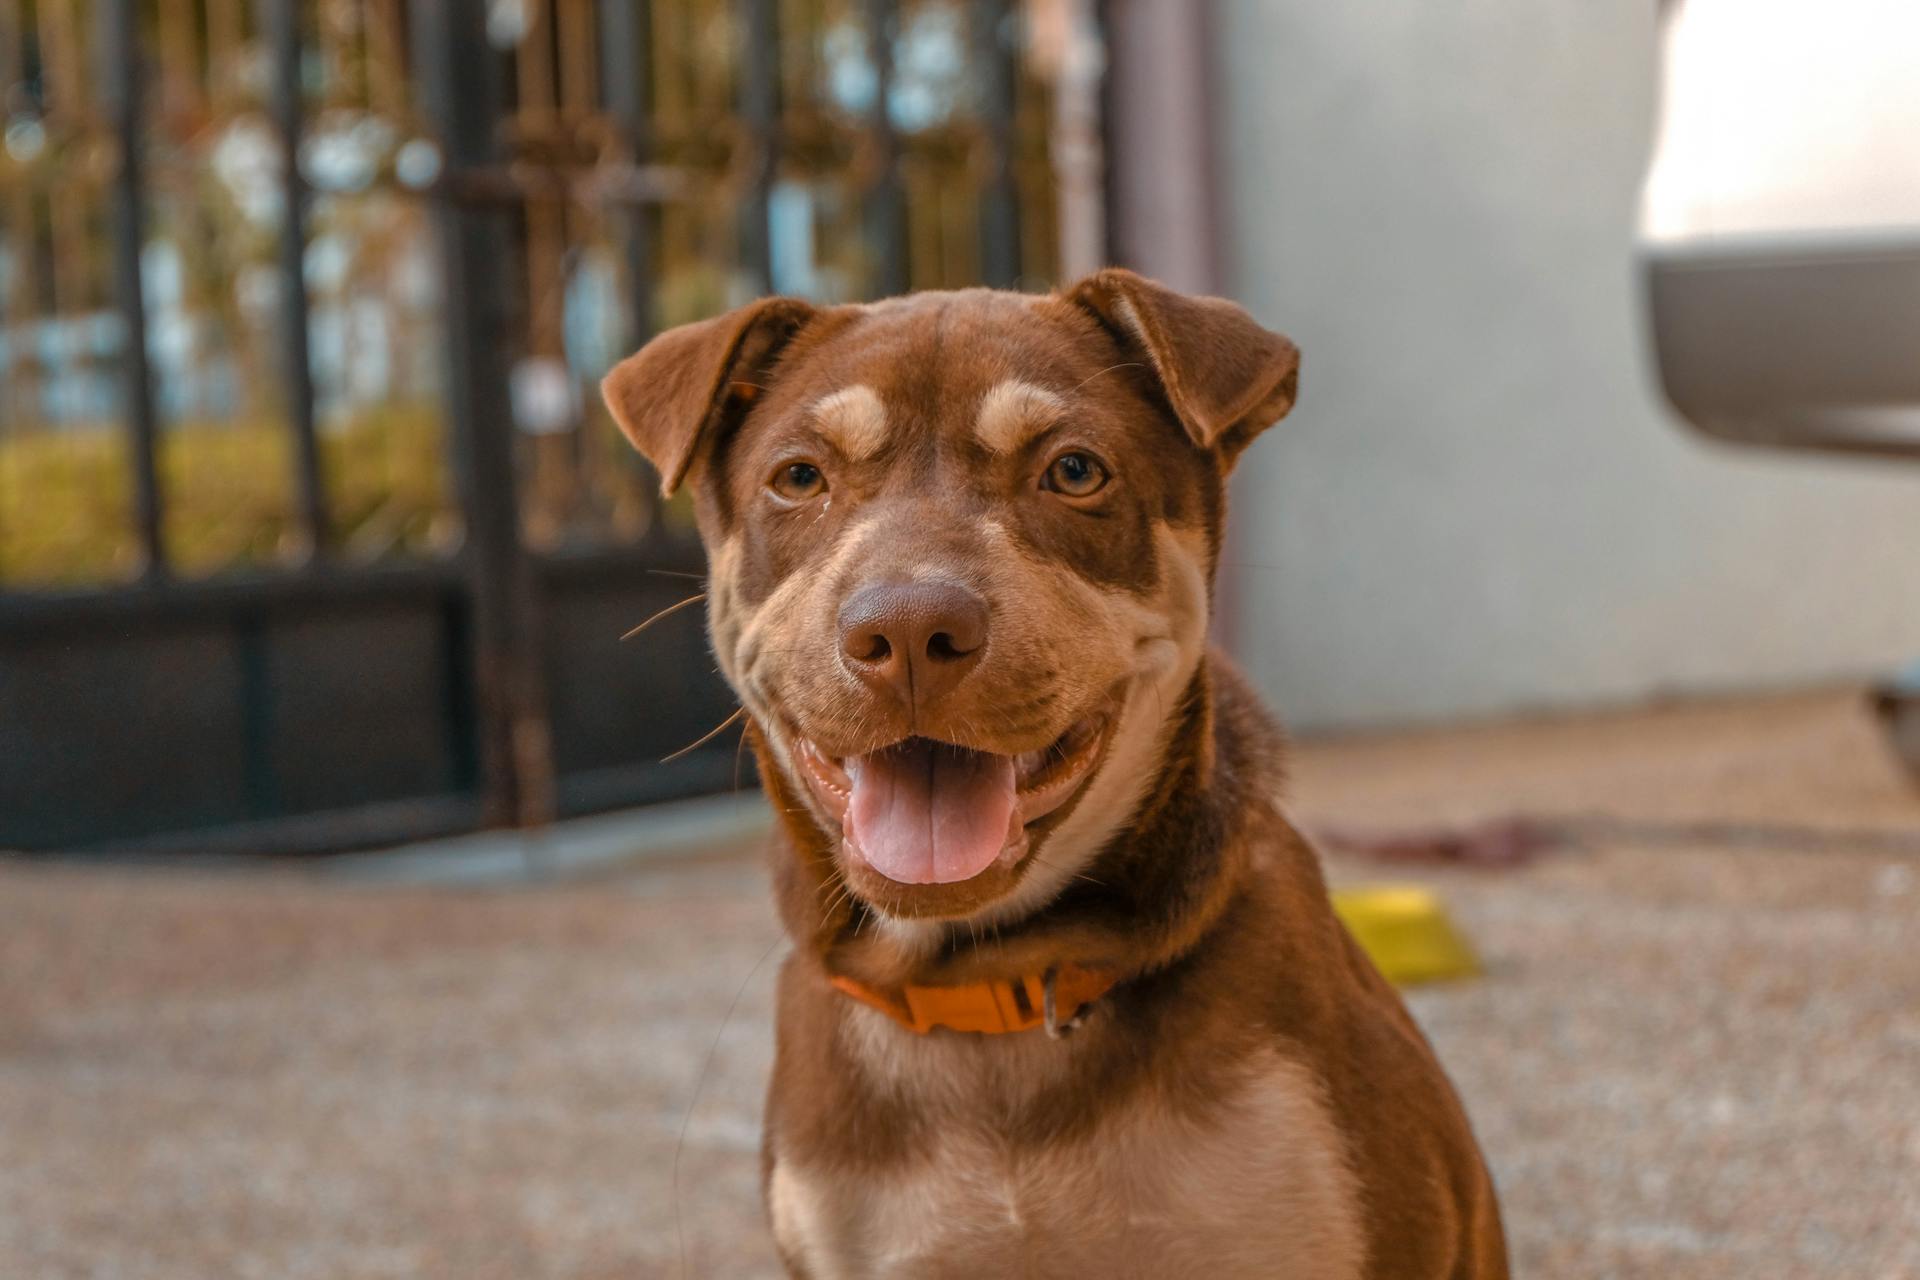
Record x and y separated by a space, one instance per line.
961 550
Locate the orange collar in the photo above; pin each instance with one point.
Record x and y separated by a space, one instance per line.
1055 1000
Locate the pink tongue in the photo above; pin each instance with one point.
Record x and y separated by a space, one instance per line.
926 813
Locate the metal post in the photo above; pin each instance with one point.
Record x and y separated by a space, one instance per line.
994 58
760 112
456 74
625 72
886 199
1162 193
1079 199
282 23
121 80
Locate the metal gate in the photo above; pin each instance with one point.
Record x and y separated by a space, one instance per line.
312 531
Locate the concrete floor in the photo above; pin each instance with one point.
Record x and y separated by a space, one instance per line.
1696 1051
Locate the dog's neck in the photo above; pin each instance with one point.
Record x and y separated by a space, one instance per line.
1146 897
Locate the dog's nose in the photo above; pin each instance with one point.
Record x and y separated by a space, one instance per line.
916 639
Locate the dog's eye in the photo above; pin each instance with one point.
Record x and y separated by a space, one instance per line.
798 481
1076 475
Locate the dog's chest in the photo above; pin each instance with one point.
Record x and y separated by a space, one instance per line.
1256 1186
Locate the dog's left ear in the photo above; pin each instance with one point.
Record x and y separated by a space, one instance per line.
679 390
1225 376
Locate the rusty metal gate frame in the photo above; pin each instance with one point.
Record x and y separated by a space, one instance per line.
490 597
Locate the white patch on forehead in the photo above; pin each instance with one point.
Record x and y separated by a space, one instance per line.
1013 412
853 419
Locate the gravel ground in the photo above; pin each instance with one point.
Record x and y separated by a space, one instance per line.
1696 1051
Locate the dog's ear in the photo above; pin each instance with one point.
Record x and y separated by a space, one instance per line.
676 392
1226 377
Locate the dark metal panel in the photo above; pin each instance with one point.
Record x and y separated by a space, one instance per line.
119 733
122 91
458 699
260 781
357 713
369 826
708 771
281 21
995 54
632 702
85 612
240 710
674 557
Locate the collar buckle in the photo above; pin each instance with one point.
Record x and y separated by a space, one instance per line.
1058 1028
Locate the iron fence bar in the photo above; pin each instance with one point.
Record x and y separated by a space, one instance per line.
885 197
626 66
458 95
282 24
760 112
626 87
994 54
122 81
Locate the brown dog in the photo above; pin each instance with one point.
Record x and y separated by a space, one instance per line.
1066 997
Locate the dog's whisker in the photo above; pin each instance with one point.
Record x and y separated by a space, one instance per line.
1124 364
666 612
840 895
739 754
708 736
839 890
1069 872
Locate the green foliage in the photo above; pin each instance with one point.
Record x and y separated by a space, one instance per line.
228 492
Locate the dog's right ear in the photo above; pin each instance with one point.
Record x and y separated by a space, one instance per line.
677 392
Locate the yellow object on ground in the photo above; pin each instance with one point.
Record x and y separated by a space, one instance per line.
1405 931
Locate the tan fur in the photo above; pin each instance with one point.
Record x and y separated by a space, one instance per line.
853 420
1252 1183
1250 1099
1012 412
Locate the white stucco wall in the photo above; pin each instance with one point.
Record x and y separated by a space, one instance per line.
1481 504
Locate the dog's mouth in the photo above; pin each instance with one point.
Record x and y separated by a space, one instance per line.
922 811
